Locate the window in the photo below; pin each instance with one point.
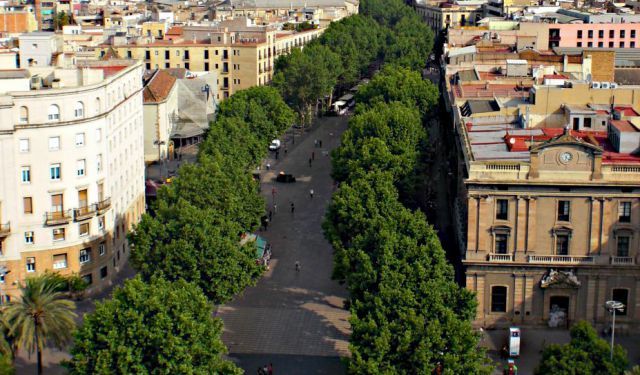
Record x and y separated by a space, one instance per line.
623 246
621 44
54 113
632 44
587 122
83 229
498 299
610 44
98 135
590 44
79 139
59 261
25 174
98 106
78 110
600 44
80 167
101 222
167 65
24 145
563 210
85 255
622 296
57 202
54 170
27 203
58 234
206 54
611 34
624 212
31 264
502 209
562 244
28 237
579 33
633 33
177 52
54 143
579 44
186 65
24 115
103 272
99 162
102 248
590 33
206 67
501 243
600 33
87 279
622 33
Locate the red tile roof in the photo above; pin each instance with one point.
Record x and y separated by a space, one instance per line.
624 126
158 89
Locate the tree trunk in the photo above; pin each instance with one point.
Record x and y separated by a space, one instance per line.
39 360
38 348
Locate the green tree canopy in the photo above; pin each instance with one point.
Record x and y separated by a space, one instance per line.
198 245
151 328
586 353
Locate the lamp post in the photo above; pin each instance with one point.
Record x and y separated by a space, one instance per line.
613 306
160 158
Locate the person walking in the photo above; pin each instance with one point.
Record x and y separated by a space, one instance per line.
298 266
268 166
270 214
270 369
293 208
310 162
320 143
275 208
311 193
313 155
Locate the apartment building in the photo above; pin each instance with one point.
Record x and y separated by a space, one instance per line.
242 56
441 15
72 170
547 203
592 35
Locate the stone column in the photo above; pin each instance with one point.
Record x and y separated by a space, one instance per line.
596 227
484 217
607 221
591 298
472 224
601 299
531 231
480 296
521 229
518 296
528 297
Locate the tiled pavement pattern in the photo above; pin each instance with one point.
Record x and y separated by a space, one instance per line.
294 320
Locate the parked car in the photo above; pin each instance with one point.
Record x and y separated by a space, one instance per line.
275 145
285 177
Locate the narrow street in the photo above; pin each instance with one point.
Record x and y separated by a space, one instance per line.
294 320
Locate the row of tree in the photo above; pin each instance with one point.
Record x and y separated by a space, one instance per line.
188 254
347 50
407 313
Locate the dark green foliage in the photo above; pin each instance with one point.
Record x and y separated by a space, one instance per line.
586 353
151 328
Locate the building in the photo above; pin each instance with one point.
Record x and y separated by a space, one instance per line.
160 97
16 21
592 35
72 169
547 205
242 55
441 15
38 48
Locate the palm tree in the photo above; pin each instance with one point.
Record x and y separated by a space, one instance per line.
41 315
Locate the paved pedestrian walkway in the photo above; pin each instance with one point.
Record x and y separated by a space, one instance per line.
292 319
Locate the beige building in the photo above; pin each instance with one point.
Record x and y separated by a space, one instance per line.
548 200
160 96
72 170
242 56
441 15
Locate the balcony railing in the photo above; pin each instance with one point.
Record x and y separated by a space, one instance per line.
500 257
561 259
84 212
5 229
58 217
623 260
103 205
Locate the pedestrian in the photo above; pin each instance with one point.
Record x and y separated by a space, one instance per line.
315 143
310 162
270 215
277 152
275 208
268 166
311 193
270 369
313 155
260 372
285 150
265 369
298 266
320 143
293 208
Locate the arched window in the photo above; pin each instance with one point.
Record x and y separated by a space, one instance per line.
24 115
78 111
54 113
98 104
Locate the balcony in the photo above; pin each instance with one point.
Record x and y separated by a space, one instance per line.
103 206
493 257
84 212
623 261
561 259
58 217
5 229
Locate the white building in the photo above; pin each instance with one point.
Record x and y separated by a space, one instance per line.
72 168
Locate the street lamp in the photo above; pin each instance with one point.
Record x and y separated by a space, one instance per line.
613 306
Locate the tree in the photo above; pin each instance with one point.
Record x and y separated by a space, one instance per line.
198 245
151 328
586 353
397 84
40 315
61 19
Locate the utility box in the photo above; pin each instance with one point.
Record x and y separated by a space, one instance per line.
514 342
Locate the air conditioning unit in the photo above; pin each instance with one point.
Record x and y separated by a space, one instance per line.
605 85
614 85
595 85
